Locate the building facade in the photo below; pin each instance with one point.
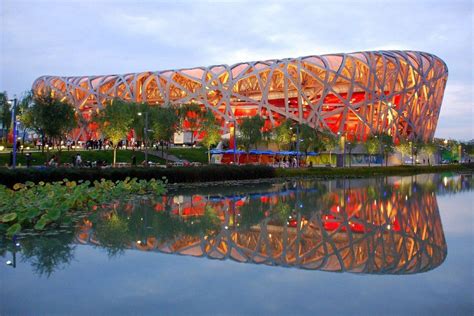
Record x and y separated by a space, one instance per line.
355 94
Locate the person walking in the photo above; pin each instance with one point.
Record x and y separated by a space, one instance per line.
78 160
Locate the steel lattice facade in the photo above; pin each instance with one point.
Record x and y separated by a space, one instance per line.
356 94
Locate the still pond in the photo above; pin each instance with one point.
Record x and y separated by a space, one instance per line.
388 245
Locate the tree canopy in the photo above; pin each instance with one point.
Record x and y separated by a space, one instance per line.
283 134
5 114
430 149
404 147
115 121
251 131
211 129
49 116
372 145
164 122
310 139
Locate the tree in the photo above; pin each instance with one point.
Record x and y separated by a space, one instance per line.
251 131
416 147
386 146
310 139
430 149
5 114
164 123
283 134
212 132
267 137
349 147
372 145
404 147
138 124
24 105
453 148
50 117
115 121
330 143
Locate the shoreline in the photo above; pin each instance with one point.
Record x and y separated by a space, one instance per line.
312 174
213 175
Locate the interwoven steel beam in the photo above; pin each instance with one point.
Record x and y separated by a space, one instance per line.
357 94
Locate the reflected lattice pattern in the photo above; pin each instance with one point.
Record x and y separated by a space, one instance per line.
398 232
397 92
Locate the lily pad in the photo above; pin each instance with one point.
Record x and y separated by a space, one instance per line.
9 217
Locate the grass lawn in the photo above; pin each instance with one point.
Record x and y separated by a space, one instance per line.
39 158
198 154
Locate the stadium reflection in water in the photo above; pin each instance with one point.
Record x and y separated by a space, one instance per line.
374 226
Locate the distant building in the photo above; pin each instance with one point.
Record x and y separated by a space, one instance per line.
356 94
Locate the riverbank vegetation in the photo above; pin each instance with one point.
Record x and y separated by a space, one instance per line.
371 171
43 205
211 173
10 177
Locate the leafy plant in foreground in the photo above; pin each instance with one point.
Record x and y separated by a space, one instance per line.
41 205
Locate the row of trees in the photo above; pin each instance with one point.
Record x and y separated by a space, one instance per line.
53 118
288 133
119 117
286 136
48 116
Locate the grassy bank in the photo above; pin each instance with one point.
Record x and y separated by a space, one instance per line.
370 171
65 156
210 173
198 154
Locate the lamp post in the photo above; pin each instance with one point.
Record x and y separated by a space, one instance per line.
344 150
14 132
297 144
145 136
234 121
381 152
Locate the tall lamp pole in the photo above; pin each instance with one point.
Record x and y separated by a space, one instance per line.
234 122
145 136
14 133
297 144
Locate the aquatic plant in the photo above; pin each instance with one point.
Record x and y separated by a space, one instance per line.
38 206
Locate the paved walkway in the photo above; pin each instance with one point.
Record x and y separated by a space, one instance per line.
166 156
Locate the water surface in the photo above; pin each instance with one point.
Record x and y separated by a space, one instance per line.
396 245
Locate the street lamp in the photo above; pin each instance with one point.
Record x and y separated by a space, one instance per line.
145 136
14 101
297 145
381 152
234 121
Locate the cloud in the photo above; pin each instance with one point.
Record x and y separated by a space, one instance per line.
106 37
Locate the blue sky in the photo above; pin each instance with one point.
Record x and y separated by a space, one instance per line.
89 37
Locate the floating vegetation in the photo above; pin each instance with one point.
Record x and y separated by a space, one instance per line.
44 205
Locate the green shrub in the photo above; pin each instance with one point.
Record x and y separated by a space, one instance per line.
10 177
371 171
40 205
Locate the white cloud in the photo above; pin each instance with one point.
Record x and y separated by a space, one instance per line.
100 37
